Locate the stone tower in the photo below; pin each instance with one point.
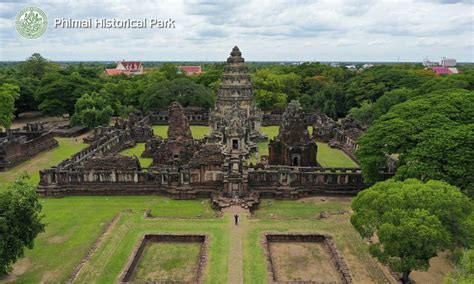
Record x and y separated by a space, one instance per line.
235 98
293 146
179 147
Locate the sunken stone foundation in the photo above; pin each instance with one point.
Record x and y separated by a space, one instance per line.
329 246
150 238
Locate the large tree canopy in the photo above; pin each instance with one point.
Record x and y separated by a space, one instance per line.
432 135
91 111
188 93
8 94
20 221
58 93
413 221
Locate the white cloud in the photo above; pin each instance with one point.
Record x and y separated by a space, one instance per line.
324 30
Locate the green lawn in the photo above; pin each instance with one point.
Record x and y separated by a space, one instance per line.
74 223
333 158
111 258
298 209
197 131
326 156
66 148
167 261
137 151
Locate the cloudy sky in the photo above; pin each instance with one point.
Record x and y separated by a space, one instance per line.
265 30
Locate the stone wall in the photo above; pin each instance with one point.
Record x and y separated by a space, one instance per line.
184 183
292 182
20 146
195 115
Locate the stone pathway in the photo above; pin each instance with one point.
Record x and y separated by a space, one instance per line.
237 232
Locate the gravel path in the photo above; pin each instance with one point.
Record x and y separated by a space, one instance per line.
237 232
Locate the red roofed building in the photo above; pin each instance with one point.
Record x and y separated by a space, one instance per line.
190 70
444 70
126 67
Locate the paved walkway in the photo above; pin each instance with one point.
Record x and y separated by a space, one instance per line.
236 255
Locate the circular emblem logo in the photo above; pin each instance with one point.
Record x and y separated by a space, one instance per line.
31 22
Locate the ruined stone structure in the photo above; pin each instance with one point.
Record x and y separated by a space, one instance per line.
347 132
323 127
293 146
213 167
195 116
235 96
179 147
209 170
19 145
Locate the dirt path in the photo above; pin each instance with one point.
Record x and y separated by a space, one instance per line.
236 255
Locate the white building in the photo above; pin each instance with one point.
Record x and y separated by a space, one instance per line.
447 62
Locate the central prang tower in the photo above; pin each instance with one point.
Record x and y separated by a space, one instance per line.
235 124
235 120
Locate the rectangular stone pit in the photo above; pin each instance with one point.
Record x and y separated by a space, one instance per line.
150 239
309 258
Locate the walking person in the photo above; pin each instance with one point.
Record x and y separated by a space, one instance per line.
236 219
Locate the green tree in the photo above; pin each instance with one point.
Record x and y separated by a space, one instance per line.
155 97
464 273
208 77
268 100
20 221
58 93
417 132
407 240
274 90
188 93
8 94
372 83
170 70
91 111
37 66
368 112
413 221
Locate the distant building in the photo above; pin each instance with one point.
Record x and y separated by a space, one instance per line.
190 70
428 63
367 66
126 67
447 62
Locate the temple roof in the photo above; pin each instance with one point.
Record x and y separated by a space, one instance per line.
236 52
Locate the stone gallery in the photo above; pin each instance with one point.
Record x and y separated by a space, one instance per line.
19 145
215 166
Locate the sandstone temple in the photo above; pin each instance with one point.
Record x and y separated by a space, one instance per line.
215 166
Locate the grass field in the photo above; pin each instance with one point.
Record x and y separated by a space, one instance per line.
137 151
326 156
167 261
74 224
197 131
